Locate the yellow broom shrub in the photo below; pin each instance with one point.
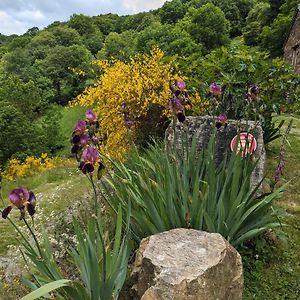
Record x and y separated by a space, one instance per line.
140 83
32 165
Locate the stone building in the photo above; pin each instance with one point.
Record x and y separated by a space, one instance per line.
292 43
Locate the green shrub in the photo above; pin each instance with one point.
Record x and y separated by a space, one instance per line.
237 68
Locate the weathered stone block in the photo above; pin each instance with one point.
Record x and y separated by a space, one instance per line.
187 264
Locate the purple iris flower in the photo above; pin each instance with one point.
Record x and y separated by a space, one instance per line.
180 84
95 140
21 198
91 116
79 142
84 139
89 156
129 124
221 120
215 89
177 108
80 127
253 91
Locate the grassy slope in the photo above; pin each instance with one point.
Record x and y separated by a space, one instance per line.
56 190
69 118
272 268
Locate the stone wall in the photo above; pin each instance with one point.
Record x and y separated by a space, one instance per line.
201 128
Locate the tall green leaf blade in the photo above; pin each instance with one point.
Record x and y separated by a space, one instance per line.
47 288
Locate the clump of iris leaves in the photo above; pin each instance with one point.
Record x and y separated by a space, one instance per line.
186 188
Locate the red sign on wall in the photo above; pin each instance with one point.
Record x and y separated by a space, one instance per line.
247 143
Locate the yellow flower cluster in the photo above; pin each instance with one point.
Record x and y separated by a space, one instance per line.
142 81
200 106
32 165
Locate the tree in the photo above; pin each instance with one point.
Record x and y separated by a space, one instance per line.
172 11
274 10
256 20
173 40
18 135
83 24
209 26
138 21
273 37
58 67
26 97
32 31
41 43
16 61
106 23
18 42
119 45
66 36
235 11
94 42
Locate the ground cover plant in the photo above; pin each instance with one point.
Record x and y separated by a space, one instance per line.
271 263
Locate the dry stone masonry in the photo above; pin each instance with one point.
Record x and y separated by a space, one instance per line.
201 128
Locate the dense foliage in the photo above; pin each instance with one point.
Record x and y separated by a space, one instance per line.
51 66
236 69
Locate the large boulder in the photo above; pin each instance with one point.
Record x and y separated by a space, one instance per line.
201 128
187 264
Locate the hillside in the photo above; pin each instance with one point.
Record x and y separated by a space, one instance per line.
51 66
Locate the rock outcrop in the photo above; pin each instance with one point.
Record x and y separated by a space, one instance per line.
187 264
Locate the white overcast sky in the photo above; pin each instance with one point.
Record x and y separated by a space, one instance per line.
17 16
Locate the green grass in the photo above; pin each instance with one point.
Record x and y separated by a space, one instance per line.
56 190
69 117
272 266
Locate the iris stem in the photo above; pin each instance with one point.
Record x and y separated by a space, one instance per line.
33 235
95 193
19 231
174 131
103 251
